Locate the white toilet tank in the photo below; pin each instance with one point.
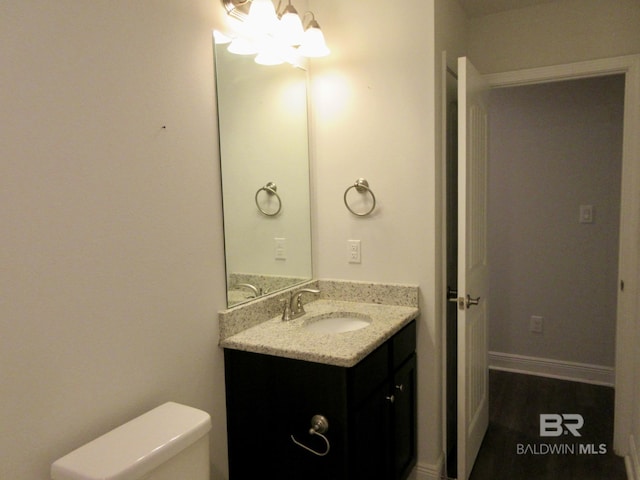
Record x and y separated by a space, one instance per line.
169 442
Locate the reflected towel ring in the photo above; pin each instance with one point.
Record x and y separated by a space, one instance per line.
361 186
271 189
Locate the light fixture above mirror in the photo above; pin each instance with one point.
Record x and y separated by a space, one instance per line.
273 35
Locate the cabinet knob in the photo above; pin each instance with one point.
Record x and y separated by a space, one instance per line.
391 398
400 387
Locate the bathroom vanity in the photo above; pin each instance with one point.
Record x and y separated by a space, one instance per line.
280 375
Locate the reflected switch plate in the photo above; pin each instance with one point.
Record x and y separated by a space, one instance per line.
353 251
280 248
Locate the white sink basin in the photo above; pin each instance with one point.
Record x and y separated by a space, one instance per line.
336 322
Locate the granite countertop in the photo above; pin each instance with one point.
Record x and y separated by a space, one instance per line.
289 339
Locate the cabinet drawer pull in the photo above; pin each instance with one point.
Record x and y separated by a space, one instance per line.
400 387
390 398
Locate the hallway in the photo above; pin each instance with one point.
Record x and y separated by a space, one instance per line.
513 447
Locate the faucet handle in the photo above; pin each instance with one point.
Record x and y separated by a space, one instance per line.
286 312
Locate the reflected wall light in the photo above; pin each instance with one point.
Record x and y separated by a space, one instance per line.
221 38
290 28
273 35
313 44
262 16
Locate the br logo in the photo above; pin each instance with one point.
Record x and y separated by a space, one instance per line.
555 424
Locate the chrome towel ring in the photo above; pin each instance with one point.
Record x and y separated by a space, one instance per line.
319 426
362 186
271 189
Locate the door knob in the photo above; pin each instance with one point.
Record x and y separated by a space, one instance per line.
463 302
471 301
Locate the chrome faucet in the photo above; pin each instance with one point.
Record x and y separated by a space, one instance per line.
256 291
293 308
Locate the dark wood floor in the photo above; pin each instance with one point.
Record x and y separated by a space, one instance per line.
516 402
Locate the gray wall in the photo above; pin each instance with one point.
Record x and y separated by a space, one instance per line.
553 148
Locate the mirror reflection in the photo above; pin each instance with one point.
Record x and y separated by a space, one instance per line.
262 118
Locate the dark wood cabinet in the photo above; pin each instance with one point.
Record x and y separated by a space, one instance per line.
371 409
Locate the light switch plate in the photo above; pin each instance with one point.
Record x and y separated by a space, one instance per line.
586 213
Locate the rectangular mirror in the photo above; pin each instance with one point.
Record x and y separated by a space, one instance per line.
264 155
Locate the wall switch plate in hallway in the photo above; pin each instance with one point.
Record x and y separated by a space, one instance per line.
536 324
353 251
586 213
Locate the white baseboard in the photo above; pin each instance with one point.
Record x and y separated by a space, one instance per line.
632 461
546 367
426 471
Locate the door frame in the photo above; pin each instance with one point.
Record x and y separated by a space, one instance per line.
629 253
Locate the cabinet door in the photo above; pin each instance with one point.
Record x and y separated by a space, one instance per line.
251 431
271 398
404 419
307 389
371 437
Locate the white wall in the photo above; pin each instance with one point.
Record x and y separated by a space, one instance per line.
553 148
552 33
111 243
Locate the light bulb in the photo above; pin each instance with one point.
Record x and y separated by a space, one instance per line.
242 46
220 38
290 29
262 16
268 58
313 44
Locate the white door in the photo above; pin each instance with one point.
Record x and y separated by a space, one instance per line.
473 378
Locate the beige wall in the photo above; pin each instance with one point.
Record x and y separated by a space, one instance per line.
113 240
111 243
112 257
554 33
374 113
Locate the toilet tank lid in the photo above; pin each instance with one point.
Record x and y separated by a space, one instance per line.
132 450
